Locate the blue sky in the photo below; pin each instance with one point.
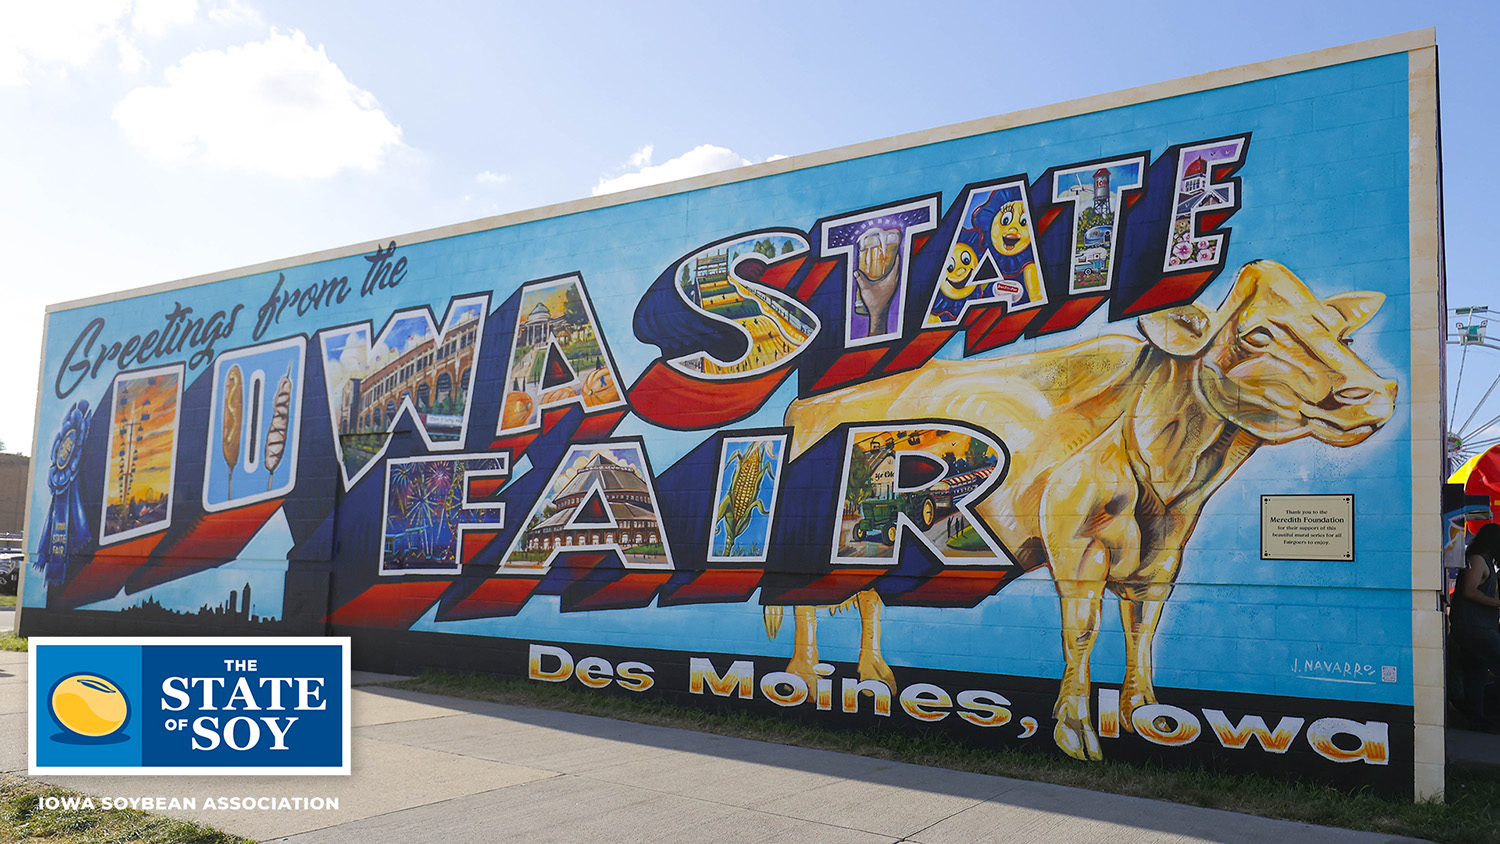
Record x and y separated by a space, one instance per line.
151 140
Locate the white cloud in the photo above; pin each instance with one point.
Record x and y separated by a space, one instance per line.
701 159
491 178
39 37
232 12
42 37
12 65
278 107
132 59
155 17
351 363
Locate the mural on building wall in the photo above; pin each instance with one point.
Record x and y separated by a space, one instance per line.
1198 195
971 408
1120 442
877 245
927 479
1096 192
600 499
424 498
777 325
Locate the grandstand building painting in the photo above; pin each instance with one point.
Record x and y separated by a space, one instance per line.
604 500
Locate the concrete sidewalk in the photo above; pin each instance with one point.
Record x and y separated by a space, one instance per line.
429 768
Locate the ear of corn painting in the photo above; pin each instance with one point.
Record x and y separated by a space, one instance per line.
747 469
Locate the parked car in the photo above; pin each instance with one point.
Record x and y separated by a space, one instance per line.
10 573
12 562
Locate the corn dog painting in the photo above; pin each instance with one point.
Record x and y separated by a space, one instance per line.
233 429
256 424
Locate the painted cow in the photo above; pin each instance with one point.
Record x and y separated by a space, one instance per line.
1116 445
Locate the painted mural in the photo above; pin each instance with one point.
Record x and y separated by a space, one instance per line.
992 259
963 438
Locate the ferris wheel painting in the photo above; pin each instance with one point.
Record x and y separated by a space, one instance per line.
1473 364
142 449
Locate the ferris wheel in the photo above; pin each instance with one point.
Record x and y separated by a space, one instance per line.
1473 423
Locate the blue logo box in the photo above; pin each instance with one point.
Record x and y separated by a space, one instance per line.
199 705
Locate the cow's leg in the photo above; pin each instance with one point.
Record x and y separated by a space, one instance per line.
1140 610
1088 539
872 665
1143 593
805 645
1081 600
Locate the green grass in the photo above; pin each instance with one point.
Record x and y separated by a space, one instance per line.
22 818
967 540
11 642
1470 814
7 600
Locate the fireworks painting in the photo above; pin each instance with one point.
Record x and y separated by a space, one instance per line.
429 503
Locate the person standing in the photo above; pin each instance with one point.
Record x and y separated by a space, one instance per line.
1477 627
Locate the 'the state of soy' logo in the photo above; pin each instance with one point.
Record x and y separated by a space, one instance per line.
190 706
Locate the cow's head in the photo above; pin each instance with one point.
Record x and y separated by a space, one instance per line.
1276 360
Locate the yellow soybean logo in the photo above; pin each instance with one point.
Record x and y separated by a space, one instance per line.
89 705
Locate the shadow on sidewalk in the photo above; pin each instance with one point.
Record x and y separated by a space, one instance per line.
838 788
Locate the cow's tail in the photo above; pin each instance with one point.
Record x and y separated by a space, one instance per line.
771 618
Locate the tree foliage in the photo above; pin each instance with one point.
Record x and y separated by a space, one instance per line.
861 478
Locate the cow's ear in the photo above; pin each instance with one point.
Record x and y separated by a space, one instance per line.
1356 307
1182 332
